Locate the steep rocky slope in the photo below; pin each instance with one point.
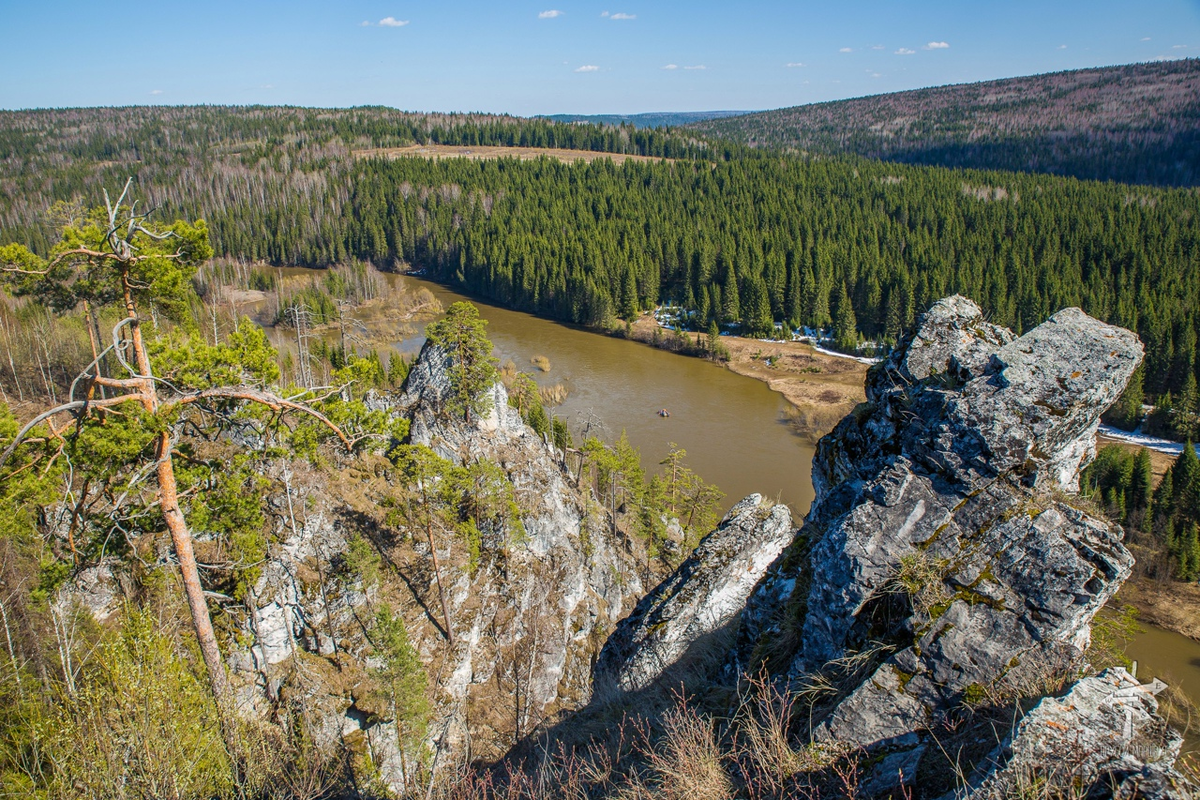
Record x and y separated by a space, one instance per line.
945 580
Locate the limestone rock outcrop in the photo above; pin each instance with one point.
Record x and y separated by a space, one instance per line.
559 593
528 619
702 596
944 557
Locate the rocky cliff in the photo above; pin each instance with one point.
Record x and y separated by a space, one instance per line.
704 595
528 619
945 564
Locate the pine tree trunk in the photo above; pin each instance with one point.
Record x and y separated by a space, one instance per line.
181 537
437 572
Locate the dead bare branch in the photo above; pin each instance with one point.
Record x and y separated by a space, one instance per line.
271 401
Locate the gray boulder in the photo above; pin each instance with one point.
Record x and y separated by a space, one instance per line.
1105 735
702 596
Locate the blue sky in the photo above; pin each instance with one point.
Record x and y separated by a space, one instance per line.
552 56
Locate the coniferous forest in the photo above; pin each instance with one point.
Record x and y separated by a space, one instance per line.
739 236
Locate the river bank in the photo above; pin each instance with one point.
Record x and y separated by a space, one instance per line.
1174 606
820 388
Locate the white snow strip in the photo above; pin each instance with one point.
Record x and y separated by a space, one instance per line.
1151 442
835 354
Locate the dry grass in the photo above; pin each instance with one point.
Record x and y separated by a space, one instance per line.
541 362
553 395
1174 605
476 152
922 578
689 765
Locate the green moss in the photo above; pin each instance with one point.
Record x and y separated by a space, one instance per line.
974 695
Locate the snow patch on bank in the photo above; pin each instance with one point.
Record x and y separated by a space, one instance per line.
1150 442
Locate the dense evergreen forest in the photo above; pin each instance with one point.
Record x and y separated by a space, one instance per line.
1135 123
738 236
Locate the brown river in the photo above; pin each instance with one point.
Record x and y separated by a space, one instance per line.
733 428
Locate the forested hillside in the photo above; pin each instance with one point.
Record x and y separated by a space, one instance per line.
209 158
651 119
856 246
1136 124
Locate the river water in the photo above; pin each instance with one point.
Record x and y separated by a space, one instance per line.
733 428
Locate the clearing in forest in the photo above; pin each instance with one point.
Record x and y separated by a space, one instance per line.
493 151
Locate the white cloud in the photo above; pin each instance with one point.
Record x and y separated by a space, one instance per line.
670 66
588 68
1179 47
392 22
1062 47
696 66
878 47
622 15
604 13
268 86
846 50
1144 39
795 64
904 51
156 91
937 46
876 75
551 14
366 23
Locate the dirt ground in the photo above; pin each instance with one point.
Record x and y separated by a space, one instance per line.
490 151
821 388
1174 606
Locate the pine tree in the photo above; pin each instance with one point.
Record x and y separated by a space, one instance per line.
462 334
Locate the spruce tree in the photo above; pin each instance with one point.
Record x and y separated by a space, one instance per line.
1126 413
731 308
1186 478
1141 487
845 325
